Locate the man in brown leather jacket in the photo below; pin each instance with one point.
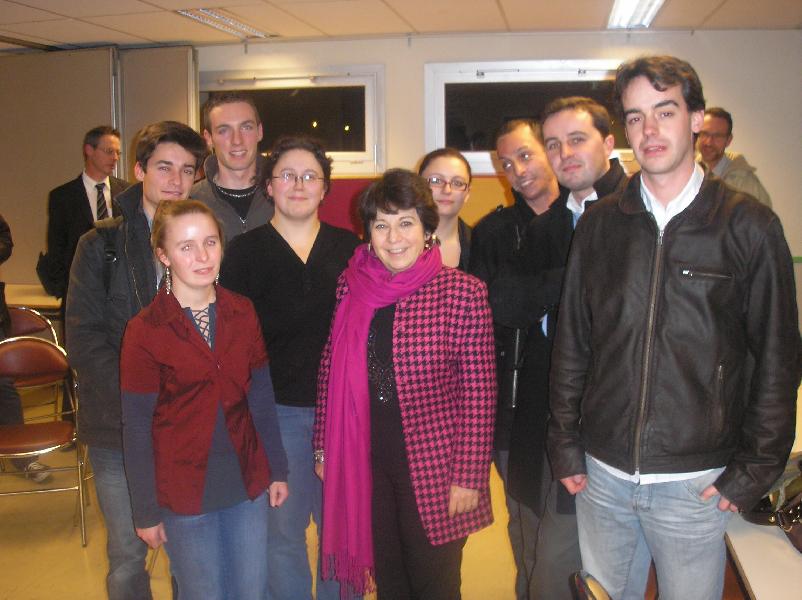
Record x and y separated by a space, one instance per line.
677 356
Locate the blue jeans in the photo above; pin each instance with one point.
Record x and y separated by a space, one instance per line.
289 573
127 578
219 555
624 525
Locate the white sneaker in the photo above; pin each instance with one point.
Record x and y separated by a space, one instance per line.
37 472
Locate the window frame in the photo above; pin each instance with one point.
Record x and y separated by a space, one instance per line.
371 77
437 75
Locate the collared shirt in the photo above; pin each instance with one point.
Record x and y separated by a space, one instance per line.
91 193
721 165
577 207
663 214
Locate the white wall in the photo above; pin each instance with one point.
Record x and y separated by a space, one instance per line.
754 74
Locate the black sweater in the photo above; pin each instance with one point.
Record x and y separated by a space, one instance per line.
294 301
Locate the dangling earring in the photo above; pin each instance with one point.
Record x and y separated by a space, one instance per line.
370 248
168 281
430 241
217 278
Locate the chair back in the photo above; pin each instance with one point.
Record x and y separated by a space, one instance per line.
33 361
27 321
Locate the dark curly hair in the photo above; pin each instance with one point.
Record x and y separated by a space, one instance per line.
398 189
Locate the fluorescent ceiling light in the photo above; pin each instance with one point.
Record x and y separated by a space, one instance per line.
632 14
223 22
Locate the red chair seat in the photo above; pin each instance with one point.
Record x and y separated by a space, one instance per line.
17 439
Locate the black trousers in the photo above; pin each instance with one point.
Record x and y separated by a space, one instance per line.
408 567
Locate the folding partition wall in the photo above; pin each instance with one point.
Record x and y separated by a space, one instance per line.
48 100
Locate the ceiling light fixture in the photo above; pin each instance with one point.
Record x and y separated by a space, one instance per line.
633 14
223 22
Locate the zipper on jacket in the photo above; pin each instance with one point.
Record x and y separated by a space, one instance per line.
691 273
647 353
719 406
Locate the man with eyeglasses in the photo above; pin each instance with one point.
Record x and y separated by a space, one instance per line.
712 143
495 243
234 185
74 207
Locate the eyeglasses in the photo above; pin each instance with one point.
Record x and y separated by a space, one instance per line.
110 151
713 136
458 185
307 178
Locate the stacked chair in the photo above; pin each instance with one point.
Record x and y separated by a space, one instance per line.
38 363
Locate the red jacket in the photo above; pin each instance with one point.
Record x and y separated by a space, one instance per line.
162 353
445 375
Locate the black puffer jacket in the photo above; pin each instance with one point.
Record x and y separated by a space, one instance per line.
678 352
96 316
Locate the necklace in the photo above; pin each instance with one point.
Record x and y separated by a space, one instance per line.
231 193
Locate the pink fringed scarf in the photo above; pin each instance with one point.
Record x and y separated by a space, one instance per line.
347 542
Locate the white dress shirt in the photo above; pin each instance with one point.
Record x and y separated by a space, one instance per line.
91 193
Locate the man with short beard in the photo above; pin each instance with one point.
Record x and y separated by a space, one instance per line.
712 143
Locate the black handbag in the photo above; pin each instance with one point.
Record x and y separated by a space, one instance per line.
782 506
50 275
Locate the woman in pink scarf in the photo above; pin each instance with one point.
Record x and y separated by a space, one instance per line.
406 402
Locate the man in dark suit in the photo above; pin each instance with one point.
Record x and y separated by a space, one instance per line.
74 206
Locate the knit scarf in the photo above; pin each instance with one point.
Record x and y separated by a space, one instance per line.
347 539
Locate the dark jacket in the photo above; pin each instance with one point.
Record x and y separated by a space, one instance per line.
6 245
464 234
69 217
496 239
680 351
495 242
96 317
535 292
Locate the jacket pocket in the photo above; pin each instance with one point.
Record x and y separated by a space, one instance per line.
704 273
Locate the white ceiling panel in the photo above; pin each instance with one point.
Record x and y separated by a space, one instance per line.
28 38
87 8
11 12
74 32
548 15
153 21
450 15
271 19
164 27
349 17
748 14
179 4
684 14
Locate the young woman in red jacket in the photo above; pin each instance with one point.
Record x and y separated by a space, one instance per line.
406 404
203 454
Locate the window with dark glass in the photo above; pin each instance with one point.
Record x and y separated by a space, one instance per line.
475 111
333 114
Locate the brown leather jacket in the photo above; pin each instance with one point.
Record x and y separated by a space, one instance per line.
679 351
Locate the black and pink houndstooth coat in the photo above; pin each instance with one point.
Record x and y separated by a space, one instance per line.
444 362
